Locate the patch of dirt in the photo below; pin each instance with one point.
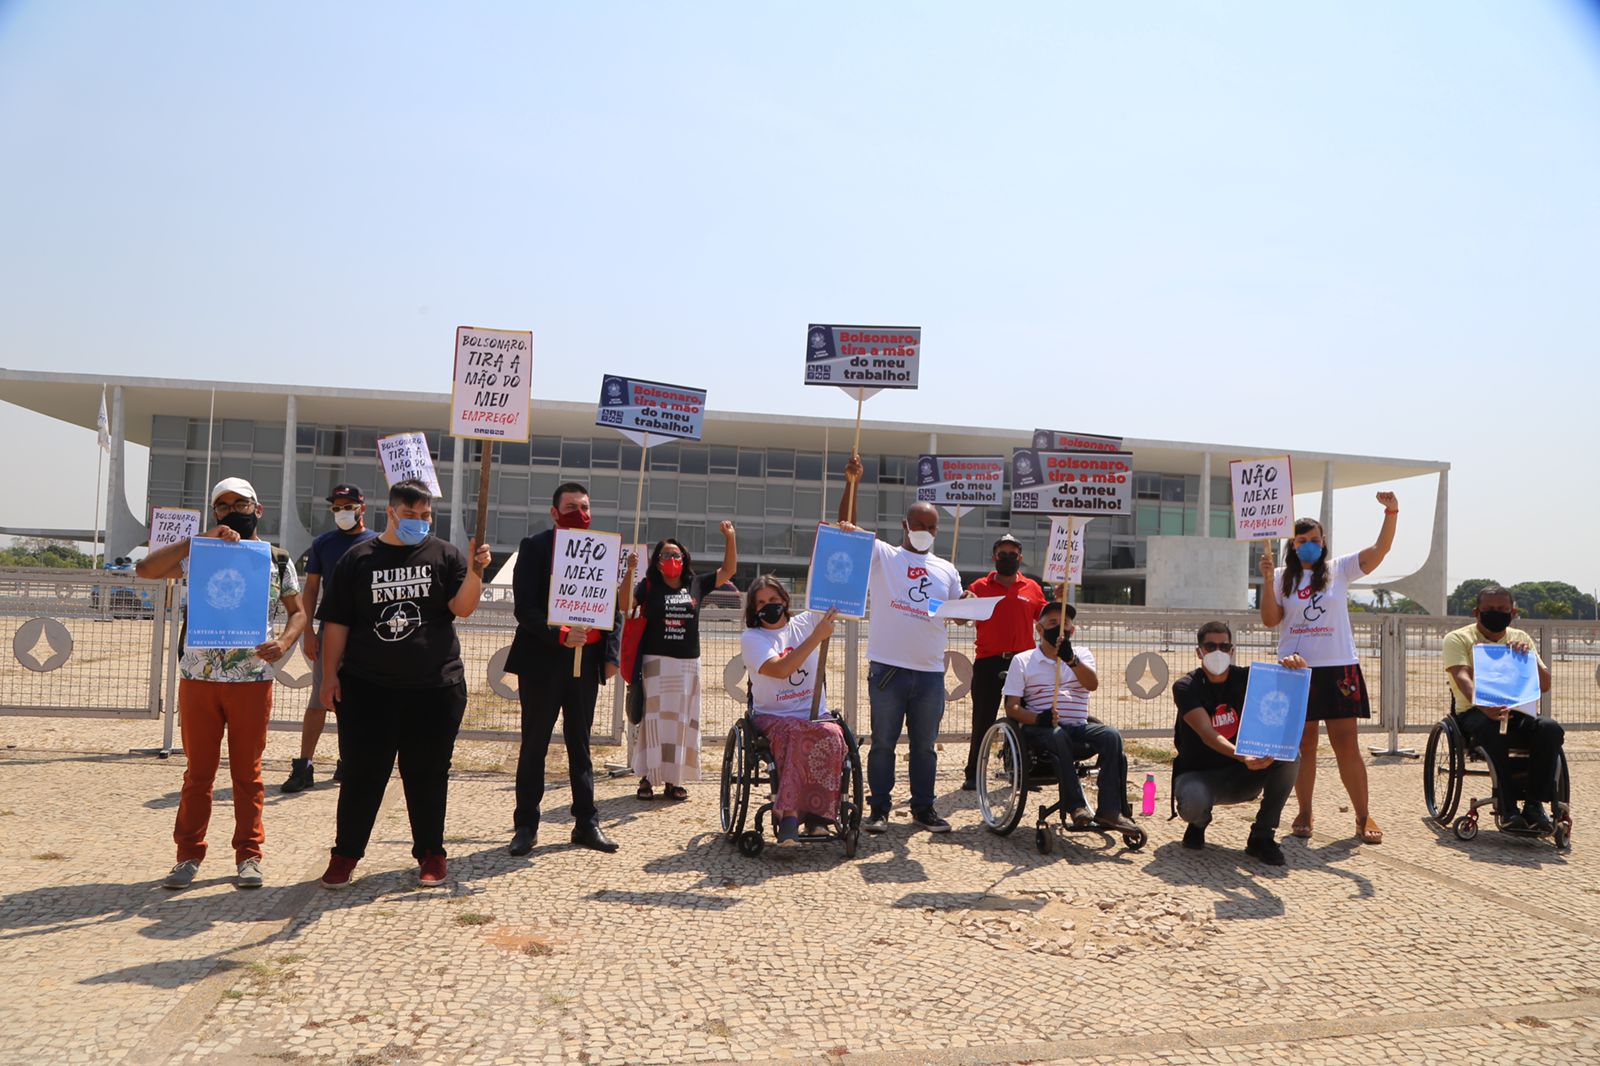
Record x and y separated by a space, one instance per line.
1081 927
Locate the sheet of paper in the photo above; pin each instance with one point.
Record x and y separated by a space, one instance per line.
972 609
1503 678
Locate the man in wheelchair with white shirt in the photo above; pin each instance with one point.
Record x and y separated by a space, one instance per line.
1047 692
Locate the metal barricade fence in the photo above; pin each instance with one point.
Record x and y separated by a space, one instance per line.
81 643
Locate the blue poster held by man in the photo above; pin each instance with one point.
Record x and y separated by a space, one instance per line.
841 564
229 594
1274 714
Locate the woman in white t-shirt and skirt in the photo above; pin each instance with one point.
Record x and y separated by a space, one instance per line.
1309 596
780 658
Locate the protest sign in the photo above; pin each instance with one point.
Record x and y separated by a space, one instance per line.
958 480
583 579
405 455
1263 498
863 357
1055 440
841 563
1073 483
1056 556
635 558
229 593
971 609
1504 678
631 404
493 387
168 525
1274 713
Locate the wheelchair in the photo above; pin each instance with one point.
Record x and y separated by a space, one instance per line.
748 763
1008 767
1450 759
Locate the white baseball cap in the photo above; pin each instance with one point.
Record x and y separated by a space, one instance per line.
236 485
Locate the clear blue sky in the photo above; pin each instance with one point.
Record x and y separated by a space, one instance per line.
1362 228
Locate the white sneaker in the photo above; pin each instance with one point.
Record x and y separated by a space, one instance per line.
249 874
182 875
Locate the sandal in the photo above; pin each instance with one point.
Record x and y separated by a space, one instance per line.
675 792
645 792
1369 832
1301 827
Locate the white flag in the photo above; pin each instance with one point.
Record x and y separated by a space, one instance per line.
103 424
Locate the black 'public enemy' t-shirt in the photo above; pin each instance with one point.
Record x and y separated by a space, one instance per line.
1223 703
672 616
396 601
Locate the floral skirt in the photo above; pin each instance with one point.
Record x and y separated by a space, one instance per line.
810 757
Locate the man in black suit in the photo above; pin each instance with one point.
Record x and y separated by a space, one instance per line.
541 657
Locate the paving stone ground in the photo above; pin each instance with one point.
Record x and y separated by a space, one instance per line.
966 948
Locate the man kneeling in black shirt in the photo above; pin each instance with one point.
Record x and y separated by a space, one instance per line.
392 669
1208 770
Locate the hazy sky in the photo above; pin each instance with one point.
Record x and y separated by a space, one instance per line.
1358 228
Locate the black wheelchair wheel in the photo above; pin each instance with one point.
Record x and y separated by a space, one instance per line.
1134 840
1443 773
1044 839
1002 778
735 791
850 787
750 843
1465 828
852 841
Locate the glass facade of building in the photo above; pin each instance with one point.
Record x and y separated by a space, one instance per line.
774 496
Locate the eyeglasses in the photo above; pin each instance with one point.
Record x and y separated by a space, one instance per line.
1008 555
237 507
1211 645
341 507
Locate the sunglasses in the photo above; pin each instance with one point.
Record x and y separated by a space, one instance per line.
341 507
1212 645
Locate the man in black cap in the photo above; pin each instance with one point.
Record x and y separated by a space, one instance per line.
1005 633
348 506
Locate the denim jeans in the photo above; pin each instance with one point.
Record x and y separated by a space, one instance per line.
1072 740
1198 791
911 699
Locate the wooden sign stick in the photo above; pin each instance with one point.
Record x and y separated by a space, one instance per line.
626 591
955 538
822 674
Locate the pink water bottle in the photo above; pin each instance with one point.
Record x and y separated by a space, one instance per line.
1149 806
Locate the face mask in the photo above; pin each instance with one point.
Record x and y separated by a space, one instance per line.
1052 636
771 614
1217 662
919 539
573 520
1007 565
1494 621
346 519
242 524
411 530
1309 552
672 568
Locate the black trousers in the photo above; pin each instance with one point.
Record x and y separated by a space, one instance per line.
988 679
544 694
377 724
1542 738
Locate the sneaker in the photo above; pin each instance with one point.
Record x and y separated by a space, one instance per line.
1538 821
1515 823
1262 846
300 777
340 872
432 872
249 875
1118 823
1194 837
181 875
877 821
929 819
789 832
338 772
969 784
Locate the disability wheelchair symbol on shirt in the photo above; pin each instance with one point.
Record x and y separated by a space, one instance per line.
1314 610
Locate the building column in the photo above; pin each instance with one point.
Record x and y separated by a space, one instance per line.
1326 516
1428 586
124 531
1203 524
293 537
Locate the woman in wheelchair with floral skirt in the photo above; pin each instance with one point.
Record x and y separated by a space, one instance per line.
780 658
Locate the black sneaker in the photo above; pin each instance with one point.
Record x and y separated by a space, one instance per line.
1515 823
929 819
1538 821
300 777
338 772
969 784
1194 837
877 821
1262 846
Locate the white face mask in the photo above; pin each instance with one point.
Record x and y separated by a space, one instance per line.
346 519
1217 661
919 539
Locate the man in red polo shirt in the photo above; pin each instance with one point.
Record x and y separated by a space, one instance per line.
1008 631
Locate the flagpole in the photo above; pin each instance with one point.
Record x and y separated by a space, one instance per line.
99 466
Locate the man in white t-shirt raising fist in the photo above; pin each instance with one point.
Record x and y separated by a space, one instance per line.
1047 690
905 650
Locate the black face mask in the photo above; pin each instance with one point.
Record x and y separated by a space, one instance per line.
1494 621
771 613
242 524
1008 565
1052 636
